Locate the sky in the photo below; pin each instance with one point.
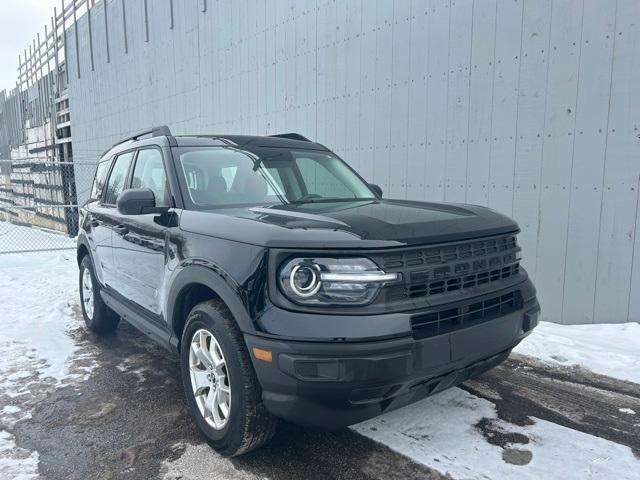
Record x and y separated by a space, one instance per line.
20 21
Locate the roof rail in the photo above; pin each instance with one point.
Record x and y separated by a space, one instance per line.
160 131
292 136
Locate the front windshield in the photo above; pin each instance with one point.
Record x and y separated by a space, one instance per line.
225 176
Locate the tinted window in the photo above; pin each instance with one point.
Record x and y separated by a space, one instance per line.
221 176
325 178
101 176
229 176
149 173
117 178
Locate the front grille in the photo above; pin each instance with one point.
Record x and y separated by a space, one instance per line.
449 320
450 268
448 253
467 281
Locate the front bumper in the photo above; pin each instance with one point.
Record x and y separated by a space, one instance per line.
335 384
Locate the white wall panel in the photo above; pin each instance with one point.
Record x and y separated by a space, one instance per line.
437 93
559 127
530 125
589 145
460 31
528 106
417 101
622 170
481 93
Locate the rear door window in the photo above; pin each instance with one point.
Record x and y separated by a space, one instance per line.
117 178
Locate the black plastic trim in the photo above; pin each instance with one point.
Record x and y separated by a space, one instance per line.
138 320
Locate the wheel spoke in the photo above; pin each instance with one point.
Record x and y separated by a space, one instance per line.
199 380
209 404
216 355
213 404
204 356
224 408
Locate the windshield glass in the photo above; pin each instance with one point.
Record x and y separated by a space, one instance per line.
224 176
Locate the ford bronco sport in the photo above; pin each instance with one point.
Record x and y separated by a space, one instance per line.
289 288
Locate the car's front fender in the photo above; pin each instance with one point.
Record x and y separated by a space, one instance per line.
199 272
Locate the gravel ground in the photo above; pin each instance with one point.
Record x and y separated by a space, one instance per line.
129 420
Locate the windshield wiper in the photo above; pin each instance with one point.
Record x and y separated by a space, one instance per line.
329 200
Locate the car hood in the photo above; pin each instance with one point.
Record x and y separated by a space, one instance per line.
352 225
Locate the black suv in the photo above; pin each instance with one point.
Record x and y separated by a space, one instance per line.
288 287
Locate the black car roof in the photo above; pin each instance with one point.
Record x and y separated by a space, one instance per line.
247 141
161 136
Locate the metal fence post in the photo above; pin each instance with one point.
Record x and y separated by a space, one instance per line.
52 97
124 27
90 35
41 83
146 22
106 30
75 29
64 45
54 27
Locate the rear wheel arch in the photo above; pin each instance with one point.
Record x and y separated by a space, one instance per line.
81 252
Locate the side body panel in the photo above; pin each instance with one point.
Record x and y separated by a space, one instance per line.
95 234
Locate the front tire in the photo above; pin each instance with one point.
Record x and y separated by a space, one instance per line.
222 391
98 317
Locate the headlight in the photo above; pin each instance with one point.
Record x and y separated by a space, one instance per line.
333 281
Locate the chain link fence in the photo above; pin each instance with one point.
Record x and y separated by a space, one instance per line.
39 201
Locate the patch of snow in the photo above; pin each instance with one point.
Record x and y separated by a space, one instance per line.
10 409
441 432
607 349
627 410
16 463
37 292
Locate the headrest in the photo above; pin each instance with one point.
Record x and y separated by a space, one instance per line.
217 186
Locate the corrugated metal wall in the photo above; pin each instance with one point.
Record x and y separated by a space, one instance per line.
530 107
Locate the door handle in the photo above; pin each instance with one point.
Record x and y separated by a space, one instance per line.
121 229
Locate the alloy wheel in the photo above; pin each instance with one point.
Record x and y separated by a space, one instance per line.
87 293
210 379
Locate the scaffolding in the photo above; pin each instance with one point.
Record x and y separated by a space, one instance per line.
37 179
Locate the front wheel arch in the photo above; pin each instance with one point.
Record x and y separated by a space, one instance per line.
195 284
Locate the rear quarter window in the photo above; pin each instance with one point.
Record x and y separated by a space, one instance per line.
117 178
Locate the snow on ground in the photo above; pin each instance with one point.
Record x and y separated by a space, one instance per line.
607 349
440 433
38 292
16 463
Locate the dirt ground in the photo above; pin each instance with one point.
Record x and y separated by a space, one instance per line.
128 420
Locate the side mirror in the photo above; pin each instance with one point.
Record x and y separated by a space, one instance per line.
138 201
376 189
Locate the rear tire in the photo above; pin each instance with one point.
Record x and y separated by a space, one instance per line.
223 369
98 317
